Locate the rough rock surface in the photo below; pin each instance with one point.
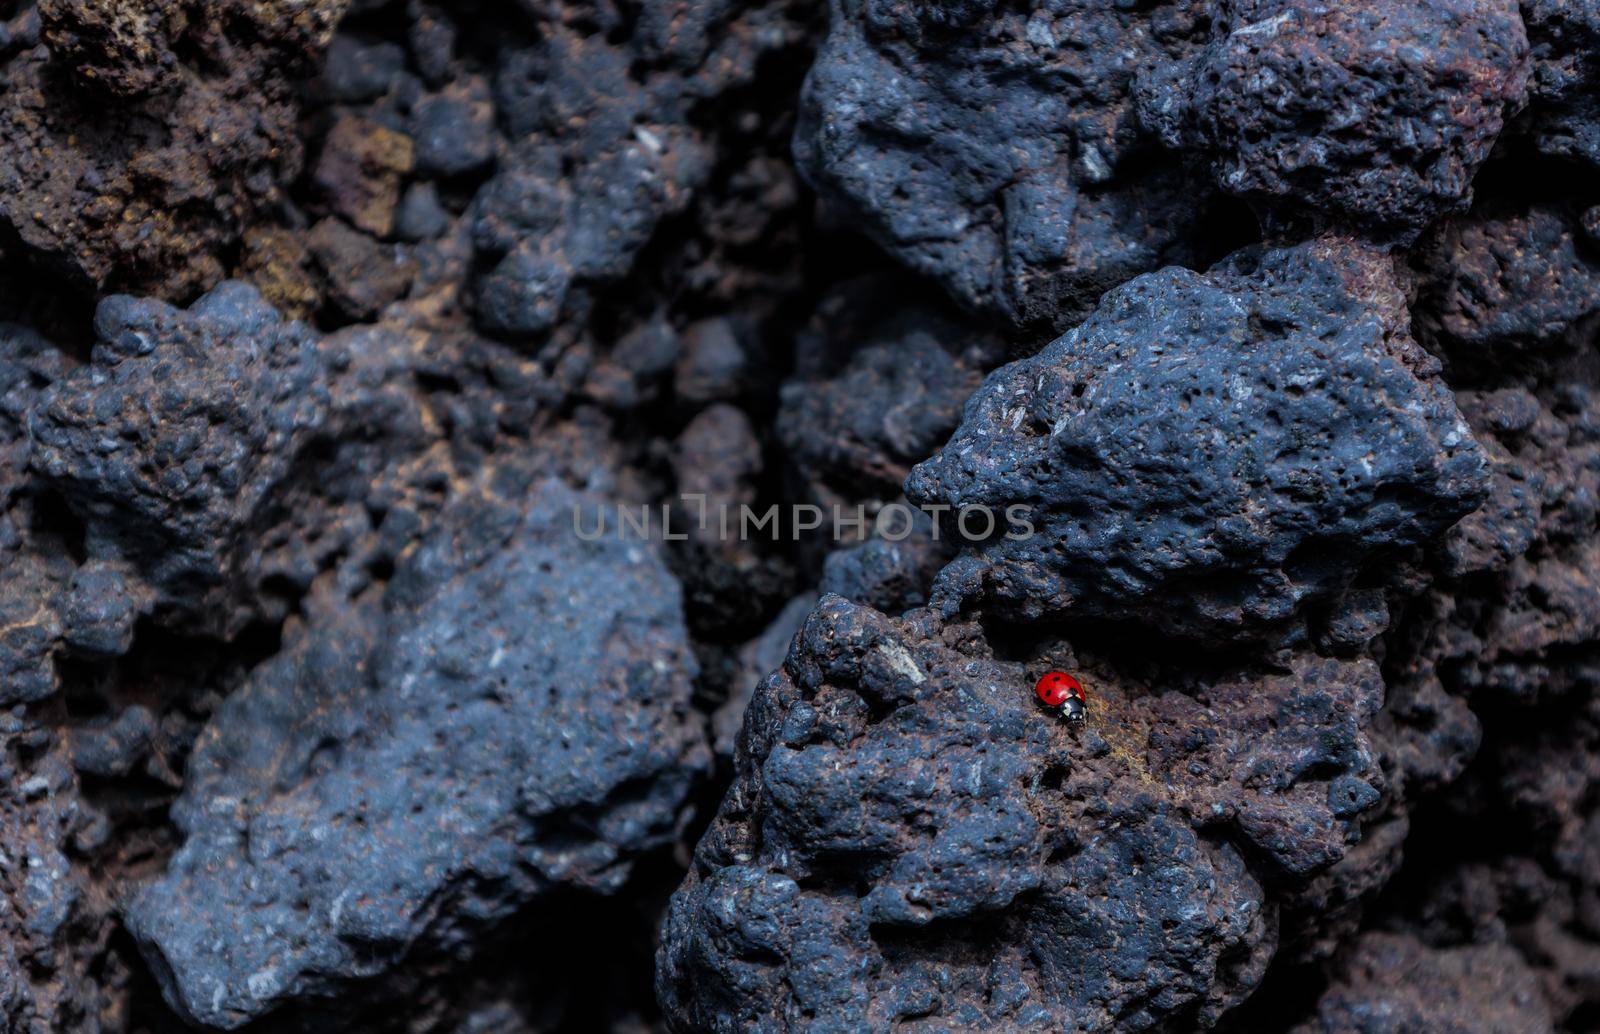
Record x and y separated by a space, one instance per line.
1565 118
1211 452
1502 288
510 719
757 659
52 921
893 571
138 138
909 838
283 604
1367 115
993 146
173 443
876 392
1394 983
600 149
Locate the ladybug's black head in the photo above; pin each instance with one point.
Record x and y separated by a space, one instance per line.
1073 710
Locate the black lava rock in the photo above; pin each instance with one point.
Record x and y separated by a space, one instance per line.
909 838
995 148
1367 115
1210 453
510 719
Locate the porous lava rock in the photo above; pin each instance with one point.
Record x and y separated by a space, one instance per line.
1493 670
1374 114
875 392
600 147
1505 287
1528 633
34 572
910 838
1395 983
994 147
507 719
891 571
53 923
757 659
1564 117
220 457
1211 452
1510 304
137 139
171 444
316 713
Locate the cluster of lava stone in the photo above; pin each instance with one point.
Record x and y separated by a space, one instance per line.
328 326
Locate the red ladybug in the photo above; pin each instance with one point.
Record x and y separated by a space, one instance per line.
1059 690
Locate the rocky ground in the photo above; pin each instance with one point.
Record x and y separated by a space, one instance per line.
328 326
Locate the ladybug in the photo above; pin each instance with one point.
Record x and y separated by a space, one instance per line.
1062 692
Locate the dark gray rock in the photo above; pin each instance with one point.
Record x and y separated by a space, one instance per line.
1374 115
1210 452
100 607
602 148
756 660
1564 111
1392 983
1504 288
52 925
28 365
420 216
112 747
993 147
894 573
717 461
510 719
172 443
35 562
454 130
1517 615
910 837
30 623
878 389
713 365
357 69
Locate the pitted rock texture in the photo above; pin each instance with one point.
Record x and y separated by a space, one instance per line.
1501 289
1512 303
910 838
52 922
221 457
1210 453
1565 118
600 148
875 392
511 718
1392 984
316 715
892 571
172 443
872 394
33 573
138 138
1367 115
28 365
993 146
757 659
1529 633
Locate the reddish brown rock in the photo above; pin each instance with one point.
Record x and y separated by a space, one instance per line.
137 140
361 171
